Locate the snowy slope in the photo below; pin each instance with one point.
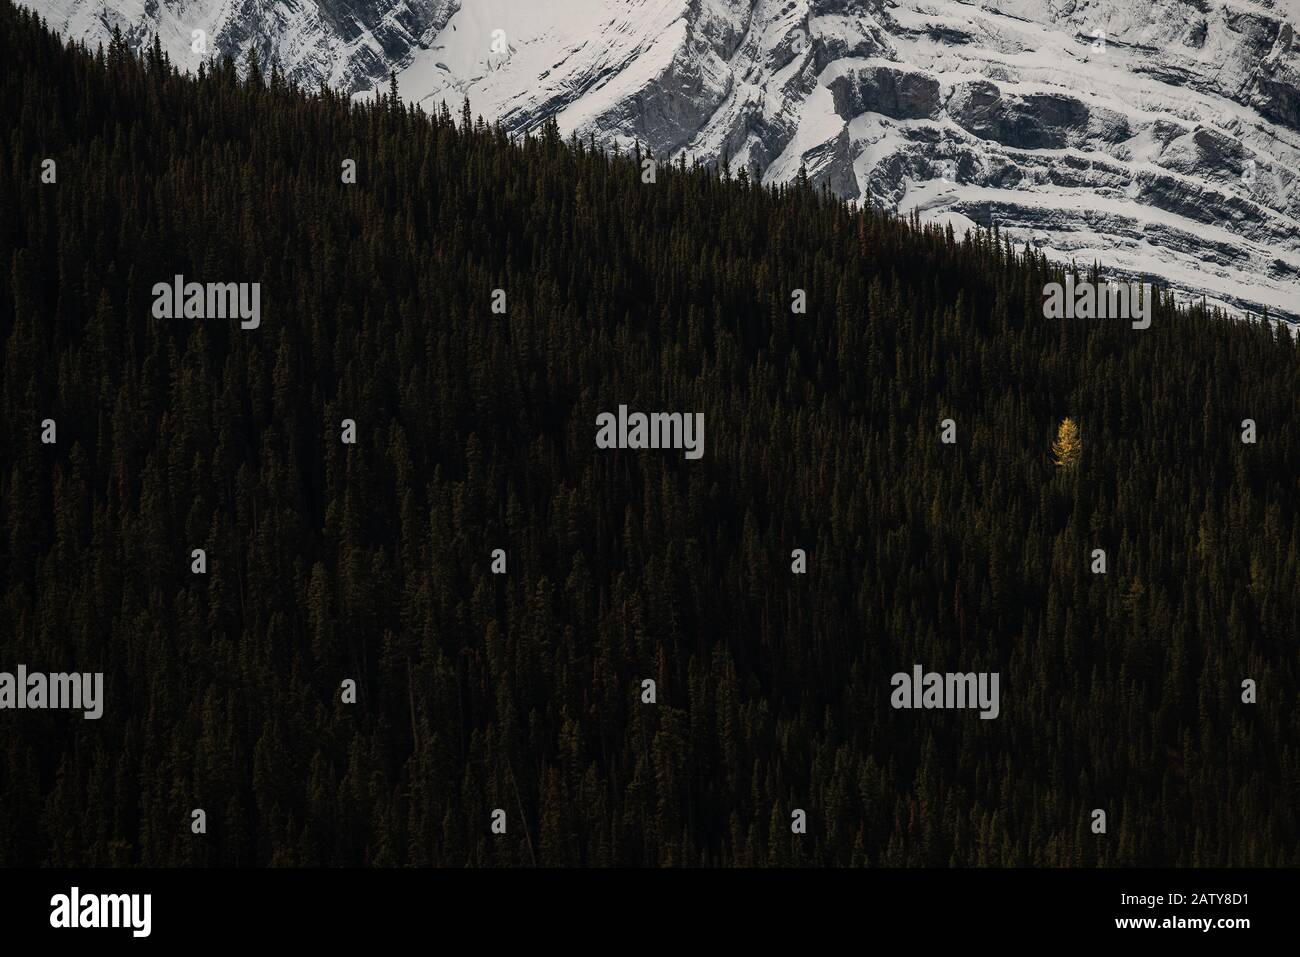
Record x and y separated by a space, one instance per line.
1120 131
1161 135
521 61
349 45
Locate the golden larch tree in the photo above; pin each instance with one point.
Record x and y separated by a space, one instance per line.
1068 445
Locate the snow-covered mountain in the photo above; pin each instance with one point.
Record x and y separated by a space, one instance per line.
345 43
1161 136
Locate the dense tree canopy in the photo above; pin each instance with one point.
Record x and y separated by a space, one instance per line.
475 431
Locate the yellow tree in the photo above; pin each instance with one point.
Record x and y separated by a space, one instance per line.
1068 445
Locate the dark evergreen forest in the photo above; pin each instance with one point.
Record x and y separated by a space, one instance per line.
475 431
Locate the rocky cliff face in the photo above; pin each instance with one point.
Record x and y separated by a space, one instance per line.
1158 136
349 44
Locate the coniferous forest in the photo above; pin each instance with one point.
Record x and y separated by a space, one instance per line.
523 691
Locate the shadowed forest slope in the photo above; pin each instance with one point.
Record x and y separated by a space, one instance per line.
476 430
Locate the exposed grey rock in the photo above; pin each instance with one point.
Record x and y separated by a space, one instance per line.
901 94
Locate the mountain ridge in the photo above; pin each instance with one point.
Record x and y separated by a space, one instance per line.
1160 138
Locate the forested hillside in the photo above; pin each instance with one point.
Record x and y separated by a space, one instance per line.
475 431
